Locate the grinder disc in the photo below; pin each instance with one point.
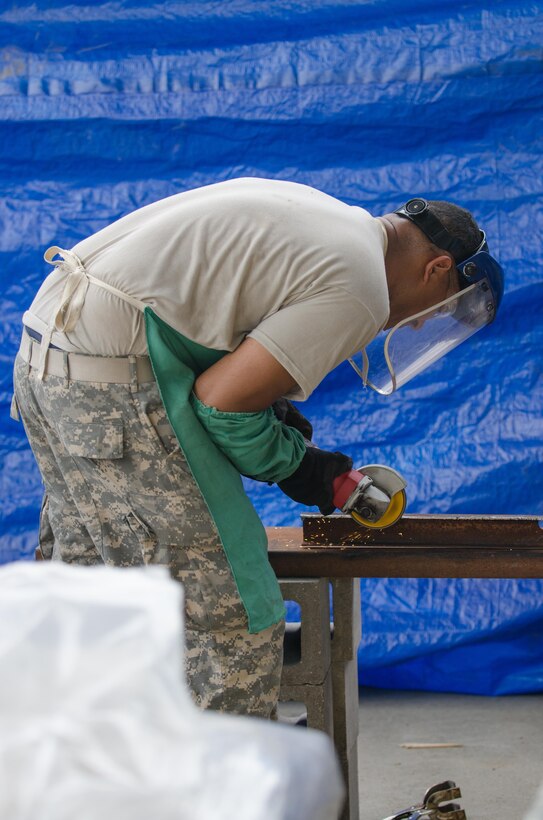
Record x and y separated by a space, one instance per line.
393 513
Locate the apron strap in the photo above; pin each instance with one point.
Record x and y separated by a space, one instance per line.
137 303
73 297
75 288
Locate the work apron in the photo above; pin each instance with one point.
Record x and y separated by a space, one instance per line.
177 362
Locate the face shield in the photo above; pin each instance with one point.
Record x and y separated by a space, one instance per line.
415 343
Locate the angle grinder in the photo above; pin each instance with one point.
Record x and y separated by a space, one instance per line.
373 495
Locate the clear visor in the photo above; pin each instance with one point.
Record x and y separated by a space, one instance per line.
396 356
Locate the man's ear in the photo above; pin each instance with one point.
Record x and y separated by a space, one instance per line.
438 266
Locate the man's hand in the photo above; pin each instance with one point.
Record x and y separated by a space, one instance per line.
245 381
312 483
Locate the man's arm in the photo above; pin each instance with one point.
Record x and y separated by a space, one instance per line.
245 381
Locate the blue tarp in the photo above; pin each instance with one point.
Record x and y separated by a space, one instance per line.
109 106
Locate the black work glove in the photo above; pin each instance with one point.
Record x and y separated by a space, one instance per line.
286 412
312 482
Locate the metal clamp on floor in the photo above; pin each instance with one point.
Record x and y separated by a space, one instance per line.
432 807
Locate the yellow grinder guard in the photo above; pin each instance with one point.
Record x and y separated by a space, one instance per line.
393 514
391 483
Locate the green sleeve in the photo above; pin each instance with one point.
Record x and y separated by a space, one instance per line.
257 444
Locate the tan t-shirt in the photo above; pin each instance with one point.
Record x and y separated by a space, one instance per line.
290 266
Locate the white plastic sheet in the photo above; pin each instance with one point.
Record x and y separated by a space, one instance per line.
536 810
96 721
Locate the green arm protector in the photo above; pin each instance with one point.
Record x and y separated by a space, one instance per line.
257 444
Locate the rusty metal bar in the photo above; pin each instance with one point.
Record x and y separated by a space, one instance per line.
419 546
424 530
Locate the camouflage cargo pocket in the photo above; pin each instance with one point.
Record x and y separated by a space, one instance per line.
95 440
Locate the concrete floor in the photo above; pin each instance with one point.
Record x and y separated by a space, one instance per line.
499 765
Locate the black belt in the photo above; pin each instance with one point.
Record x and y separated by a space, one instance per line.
37 336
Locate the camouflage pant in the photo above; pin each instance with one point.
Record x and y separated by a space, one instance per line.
119 491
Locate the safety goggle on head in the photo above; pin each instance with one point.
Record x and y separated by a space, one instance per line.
396 356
